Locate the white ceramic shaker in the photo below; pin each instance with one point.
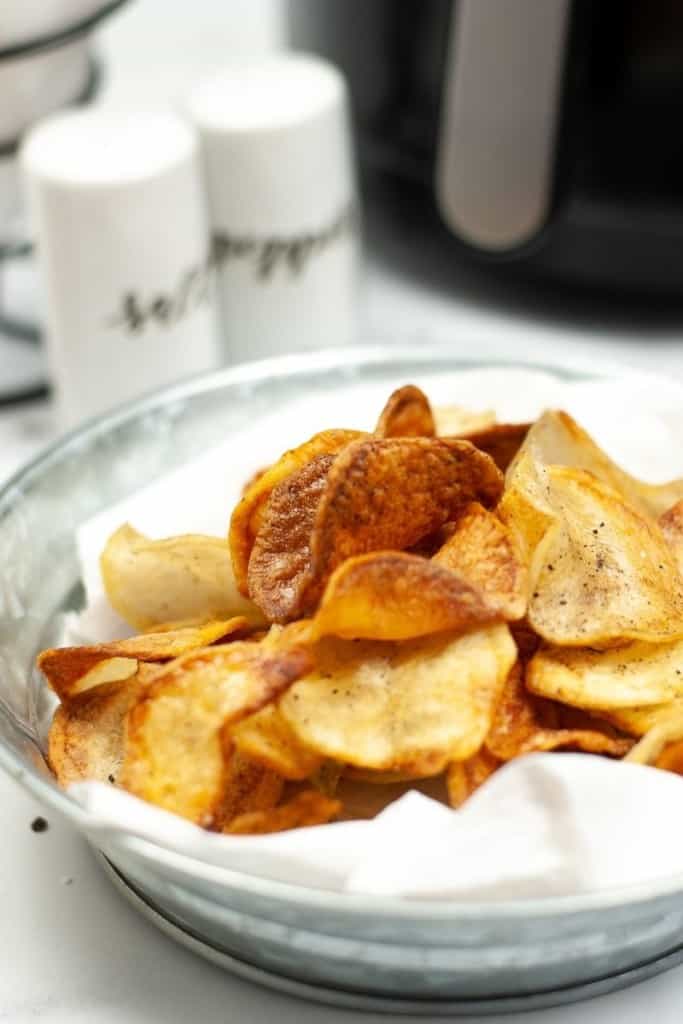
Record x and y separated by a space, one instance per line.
282 198
118 214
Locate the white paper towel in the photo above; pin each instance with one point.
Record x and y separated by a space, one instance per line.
545 824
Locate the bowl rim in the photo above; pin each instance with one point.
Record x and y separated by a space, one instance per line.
292 366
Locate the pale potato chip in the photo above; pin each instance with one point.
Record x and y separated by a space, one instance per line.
86 738
409 707
625 677
248 787
406 414
524 723
651 747
525 506
308 808
247 516
601 574
556 439
379 494
268 739
636 721
484 553
671 523
189 577
175 748
501 441
465 777
70 671
455 420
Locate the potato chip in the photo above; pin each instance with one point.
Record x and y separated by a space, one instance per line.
247 787
268 739
501 441
175 748
406 414
408 707
246 519
456 421
189 577
602 574
465 777
525 506
671 758
362 799
391 595
308 808
636 721
652 746
483 552
625 677
556 439
524 723
86 738
671 523
280 561
379 494
70 671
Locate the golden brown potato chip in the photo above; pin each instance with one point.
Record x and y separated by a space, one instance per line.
408 707
602 574
671 758
626 677
483 552
391 595
406 414
556 439
189 577
524 723
362 799
464 777
247 517
378 495
308 808
268 739
280 561
247 787
409 597
70 671
456 421
501 441
86 737
175 748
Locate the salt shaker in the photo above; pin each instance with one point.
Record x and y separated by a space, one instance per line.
282 201
118 212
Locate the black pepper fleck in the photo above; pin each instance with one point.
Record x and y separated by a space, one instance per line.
110 778
39 825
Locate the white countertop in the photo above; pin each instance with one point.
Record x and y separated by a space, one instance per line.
72 950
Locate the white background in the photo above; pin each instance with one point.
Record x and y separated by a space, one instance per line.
70 949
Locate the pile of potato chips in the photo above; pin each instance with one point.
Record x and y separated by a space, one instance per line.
410 607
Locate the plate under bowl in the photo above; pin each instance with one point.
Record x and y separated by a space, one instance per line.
382 952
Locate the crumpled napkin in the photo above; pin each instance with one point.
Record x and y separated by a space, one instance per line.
545 824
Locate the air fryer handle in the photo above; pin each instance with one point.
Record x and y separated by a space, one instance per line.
499 119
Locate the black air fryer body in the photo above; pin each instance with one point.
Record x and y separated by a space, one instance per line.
546 133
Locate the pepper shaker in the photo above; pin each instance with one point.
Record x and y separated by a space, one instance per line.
281 187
